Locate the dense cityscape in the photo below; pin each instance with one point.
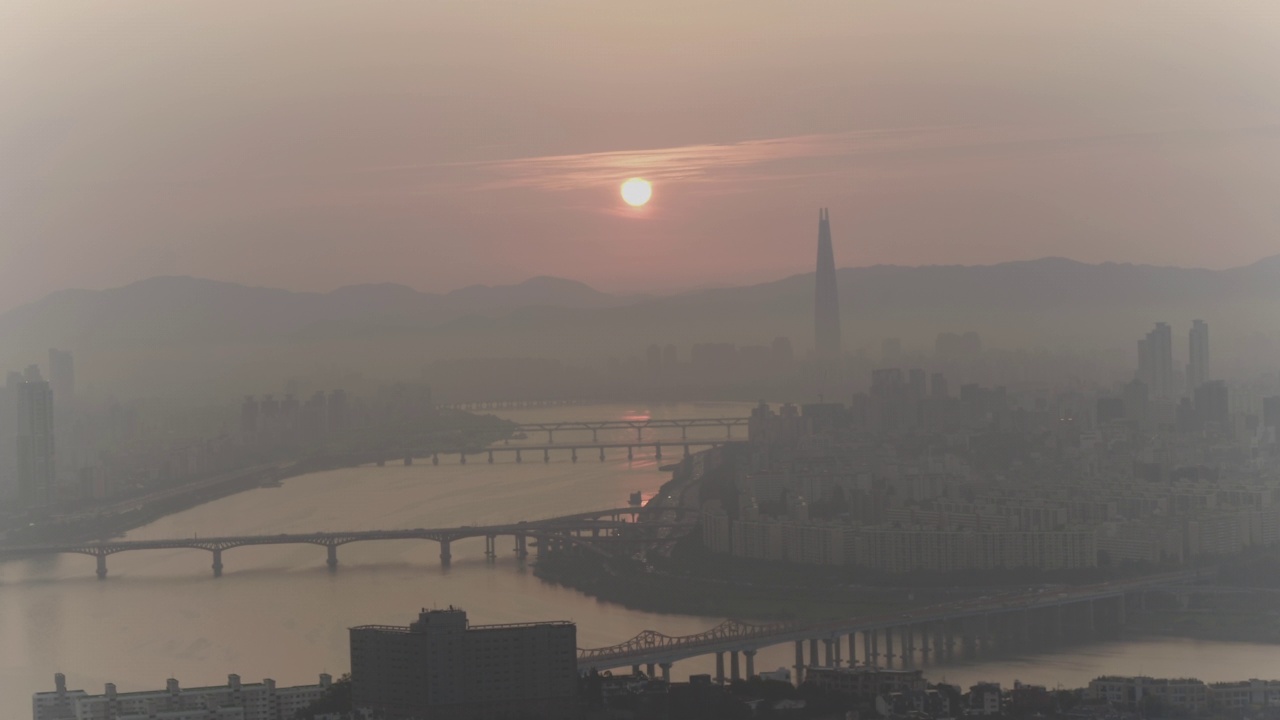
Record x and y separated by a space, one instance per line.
462 360
1090 513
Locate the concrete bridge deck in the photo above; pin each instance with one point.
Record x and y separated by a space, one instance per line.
936 626
611 524
520 451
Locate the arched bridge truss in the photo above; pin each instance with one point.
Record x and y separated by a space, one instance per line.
733 636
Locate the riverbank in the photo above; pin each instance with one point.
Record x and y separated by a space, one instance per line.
1243 615
805 593
125 514
624 582
683 577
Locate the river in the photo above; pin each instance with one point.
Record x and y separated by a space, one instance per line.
278 612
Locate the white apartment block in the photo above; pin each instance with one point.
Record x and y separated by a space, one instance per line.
233 701
1246 693
1180 693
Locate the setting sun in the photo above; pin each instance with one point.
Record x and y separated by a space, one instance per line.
636 192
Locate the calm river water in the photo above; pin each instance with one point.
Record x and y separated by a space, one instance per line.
278 612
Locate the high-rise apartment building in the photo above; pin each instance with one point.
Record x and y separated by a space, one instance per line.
9 439
1155 362
62 379
1213 405
826 305
33 431
1198 363
443 668
916 383
938 385
1271 411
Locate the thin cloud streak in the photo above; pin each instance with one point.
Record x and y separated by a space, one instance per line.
708 163
690 163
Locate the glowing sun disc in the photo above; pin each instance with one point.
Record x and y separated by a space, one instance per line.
636 192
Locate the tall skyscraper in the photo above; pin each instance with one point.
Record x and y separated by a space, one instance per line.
34 435
1155 362
826 305
1198 364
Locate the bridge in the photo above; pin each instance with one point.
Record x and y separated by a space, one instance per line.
1009 620
615 524
481 405
572 448
639 425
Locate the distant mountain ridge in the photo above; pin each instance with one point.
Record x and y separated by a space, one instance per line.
175 306
157 332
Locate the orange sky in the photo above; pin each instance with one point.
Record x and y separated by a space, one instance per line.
315 143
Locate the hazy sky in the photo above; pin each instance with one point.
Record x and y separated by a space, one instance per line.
318 143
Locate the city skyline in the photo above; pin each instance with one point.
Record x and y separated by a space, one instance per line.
315 314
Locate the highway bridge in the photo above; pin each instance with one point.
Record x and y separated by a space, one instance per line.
612 525
1010 620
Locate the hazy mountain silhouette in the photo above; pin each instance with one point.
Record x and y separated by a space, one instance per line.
199 335
173 308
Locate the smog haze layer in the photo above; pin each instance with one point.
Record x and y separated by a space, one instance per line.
314 145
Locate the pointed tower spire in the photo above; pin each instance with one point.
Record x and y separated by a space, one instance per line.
826 304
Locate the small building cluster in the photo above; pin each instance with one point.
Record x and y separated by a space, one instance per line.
1184 695
233 701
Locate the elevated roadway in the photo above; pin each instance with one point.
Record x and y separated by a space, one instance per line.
615 524
1056 611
